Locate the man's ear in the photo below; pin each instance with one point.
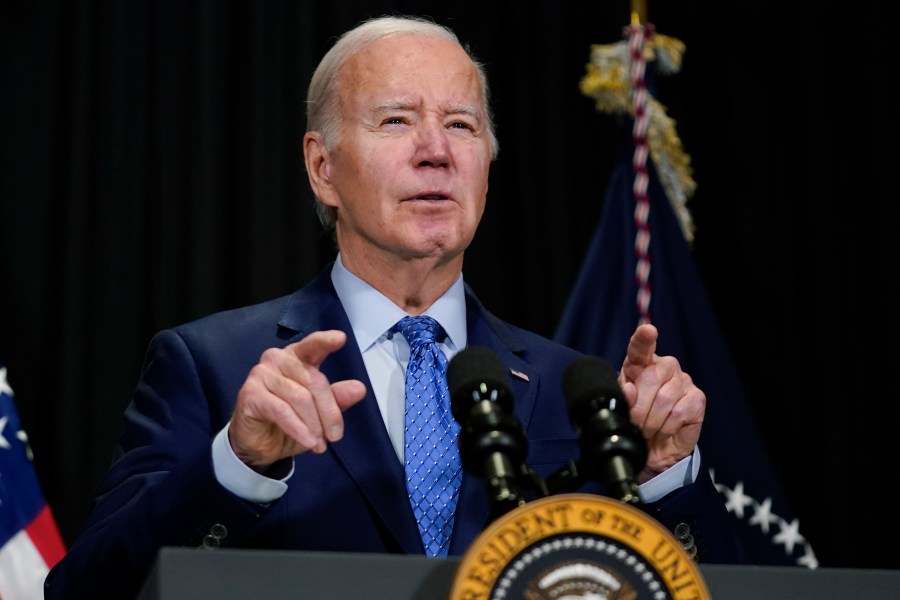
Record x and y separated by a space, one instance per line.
319 168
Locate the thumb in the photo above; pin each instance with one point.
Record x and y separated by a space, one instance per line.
348 392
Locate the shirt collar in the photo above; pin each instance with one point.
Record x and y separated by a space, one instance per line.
372 314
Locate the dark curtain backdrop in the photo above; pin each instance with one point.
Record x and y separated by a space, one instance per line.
151 172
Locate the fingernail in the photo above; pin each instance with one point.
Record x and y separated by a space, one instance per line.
336 432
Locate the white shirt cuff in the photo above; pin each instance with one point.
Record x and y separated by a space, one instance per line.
682 473
241 480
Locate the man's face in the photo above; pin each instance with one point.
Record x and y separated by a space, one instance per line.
409 177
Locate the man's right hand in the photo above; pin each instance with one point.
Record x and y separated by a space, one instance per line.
287 406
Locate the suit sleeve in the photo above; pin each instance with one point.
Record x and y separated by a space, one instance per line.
698 518
160 489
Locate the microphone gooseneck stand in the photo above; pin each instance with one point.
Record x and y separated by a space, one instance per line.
494 447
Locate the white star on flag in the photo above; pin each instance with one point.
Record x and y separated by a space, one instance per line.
3 443
763 515
808 559
789 535
4 386
737 500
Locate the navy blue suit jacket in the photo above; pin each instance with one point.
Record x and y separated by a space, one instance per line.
161 488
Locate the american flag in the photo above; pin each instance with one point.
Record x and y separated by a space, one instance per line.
30 542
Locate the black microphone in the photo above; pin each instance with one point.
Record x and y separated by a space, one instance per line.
613 449
492 443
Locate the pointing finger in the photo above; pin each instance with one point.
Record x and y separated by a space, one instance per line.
315 348
642 345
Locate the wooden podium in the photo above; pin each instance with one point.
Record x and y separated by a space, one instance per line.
190 573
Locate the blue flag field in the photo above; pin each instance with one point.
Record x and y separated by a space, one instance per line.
600 317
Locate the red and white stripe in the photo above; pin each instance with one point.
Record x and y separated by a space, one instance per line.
28 556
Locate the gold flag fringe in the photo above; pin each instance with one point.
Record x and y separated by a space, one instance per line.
607 81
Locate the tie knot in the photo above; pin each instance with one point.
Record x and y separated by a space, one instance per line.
419 330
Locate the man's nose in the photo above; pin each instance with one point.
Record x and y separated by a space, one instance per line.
432 144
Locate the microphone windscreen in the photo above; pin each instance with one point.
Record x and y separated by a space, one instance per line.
476 374
589 378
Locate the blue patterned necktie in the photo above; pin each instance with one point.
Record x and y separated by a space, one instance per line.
432 458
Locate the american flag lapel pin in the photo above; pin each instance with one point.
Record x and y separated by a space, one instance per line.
518 374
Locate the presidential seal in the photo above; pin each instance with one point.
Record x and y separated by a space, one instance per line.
577 547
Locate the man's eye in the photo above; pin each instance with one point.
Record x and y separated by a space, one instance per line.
460 125
393 121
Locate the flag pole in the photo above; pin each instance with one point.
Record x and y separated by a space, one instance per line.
637 35
638 12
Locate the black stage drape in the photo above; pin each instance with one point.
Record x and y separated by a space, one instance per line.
151 172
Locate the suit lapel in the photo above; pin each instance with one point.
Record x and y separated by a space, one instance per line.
365 451
473 510
488 331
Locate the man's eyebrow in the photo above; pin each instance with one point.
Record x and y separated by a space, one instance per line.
392 105
465 109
